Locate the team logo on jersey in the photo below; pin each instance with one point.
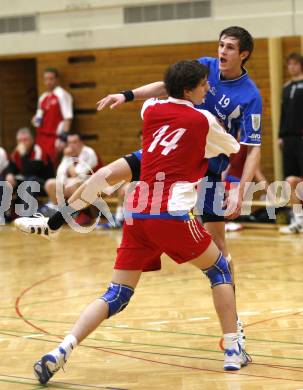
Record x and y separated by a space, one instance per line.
256 121
212 90
219 113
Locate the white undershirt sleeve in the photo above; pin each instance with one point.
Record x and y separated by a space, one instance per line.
218 140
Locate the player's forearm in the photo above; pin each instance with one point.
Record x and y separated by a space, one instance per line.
251 165
67 125
76 201
147 91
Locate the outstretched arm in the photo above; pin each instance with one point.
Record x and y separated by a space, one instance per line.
252 162
147 91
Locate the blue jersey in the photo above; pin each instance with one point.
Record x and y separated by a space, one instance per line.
237 103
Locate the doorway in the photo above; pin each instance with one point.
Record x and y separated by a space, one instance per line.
18 98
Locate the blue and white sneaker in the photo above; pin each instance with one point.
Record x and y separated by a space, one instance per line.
235 359
49 364
106 226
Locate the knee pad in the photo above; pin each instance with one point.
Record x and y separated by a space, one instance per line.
219 273
117 297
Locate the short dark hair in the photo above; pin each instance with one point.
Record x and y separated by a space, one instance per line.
246 41
295 57
74 133
52 70
184 75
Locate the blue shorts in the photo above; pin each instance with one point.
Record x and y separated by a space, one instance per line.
210 198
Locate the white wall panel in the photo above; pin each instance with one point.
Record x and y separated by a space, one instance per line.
85 24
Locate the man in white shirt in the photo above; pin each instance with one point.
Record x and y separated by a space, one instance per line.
78 163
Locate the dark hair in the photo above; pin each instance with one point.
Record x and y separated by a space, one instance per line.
73 133
295 57
52 70
246 42
184 75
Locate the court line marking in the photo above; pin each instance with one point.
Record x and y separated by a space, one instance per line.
61 385
113 351
158 330
198 319
5 332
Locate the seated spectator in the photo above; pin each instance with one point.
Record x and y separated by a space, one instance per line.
71 174
28 163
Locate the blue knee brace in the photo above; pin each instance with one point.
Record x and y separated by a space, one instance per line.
117 297
219 273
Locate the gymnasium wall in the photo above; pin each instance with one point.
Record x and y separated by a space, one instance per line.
91 74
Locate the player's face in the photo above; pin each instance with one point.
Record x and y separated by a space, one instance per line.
75 144
50 81
230 58
197 95
294 68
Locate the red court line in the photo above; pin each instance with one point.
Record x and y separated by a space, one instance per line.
273 318
19 313
17 303
262 322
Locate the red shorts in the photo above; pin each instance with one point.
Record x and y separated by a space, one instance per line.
144 242
47 143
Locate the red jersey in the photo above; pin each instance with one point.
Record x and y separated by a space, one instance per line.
177 140
237 161
56 106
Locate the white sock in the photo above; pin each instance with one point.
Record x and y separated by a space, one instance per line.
298 217
231 341
68 344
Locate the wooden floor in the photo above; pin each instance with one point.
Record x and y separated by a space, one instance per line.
168 337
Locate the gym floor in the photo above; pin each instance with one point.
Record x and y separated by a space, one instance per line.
169 336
